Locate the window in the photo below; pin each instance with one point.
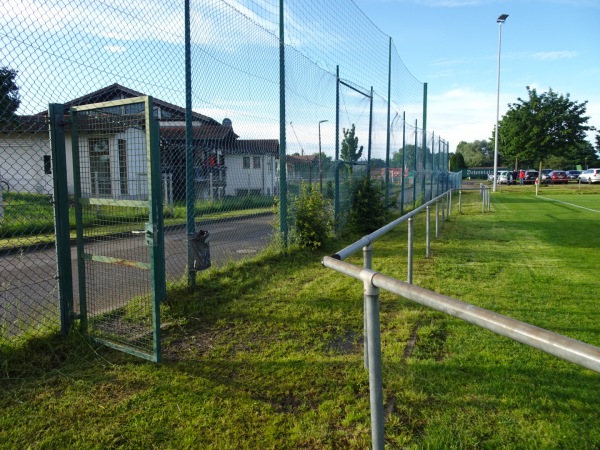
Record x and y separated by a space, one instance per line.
47 165
122 144
246 163
256 162
100 180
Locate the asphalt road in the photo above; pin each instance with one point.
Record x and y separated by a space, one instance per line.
28 291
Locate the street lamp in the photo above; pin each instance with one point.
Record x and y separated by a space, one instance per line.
320 159
501 19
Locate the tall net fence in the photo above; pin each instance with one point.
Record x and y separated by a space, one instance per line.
243 113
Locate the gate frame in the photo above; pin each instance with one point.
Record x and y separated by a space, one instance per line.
154 230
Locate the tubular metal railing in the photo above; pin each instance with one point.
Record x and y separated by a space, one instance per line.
577 352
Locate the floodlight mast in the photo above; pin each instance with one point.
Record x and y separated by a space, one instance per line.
501 19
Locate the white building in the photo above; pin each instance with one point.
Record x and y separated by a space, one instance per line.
115 160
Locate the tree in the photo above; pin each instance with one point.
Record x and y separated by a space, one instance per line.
350 151
476 153
409 157
544 125
9 93
457 162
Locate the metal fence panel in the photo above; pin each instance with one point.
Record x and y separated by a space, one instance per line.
271 93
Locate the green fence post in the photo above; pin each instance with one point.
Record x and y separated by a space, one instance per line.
369 144
433 168
283 225
157 250
81 278
190 188
403 162
415 166
387 143
336 191
424 138
61 215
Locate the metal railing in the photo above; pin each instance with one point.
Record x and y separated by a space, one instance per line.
572 350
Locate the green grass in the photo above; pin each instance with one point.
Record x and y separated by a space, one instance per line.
268 353
29 218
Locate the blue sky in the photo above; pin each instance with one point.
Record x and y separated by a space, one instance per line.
453 46
65 52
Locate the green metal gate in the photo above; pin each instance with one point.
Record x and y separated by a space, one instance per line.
118 214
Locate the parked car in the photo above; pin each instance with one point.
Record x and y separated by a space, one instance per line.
503 177
583 175
530 176
557 177
590 176
545 173
573 174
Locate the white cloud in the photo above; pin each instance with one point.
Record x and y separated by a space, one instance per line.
551 56
462 114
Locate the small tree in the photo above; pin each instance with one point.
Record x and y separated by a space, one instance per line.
313 218
457 162
406 155
368 212
9 93
350 151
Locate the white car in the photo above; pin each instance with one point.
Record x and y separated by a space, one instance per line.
590 176
503 177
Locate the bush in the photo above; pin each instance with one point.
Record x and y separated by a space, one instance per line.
313 218
368 212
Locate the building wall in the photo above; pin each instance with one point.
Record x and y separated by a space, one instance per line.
22 163
250 180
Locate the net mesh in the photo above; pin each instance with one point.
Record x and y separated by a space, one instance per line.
338 69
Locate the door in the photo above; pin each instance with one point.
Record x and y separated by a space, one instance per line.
100 167
120 245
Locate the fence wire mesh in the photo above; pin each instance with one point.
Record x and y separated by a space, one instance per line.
340 72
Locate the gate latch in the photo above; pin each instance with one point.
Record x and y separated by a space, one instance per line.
150 232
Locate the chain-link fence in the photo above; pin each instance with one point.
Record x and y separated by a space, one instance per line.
251 100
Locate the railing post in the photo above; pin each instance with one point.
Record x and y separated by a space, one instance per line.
410 250
489 200
482 198
449 203
437 214
460 202
367 263
375 372
427 231
443 211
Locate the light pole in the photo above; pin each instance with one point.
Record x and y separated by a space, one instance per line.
500 21
320 159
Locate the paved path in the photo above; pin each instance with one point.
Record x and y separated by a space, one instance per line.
28 292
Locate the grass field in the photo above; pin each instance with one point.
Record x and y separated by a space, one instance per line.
268 353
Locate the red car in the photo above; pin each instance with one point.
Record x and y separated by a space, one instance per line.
557 177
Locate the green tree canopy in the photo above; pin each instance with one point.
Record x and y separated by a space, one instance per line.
409 157
544 125
9 93
457 162
476 153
